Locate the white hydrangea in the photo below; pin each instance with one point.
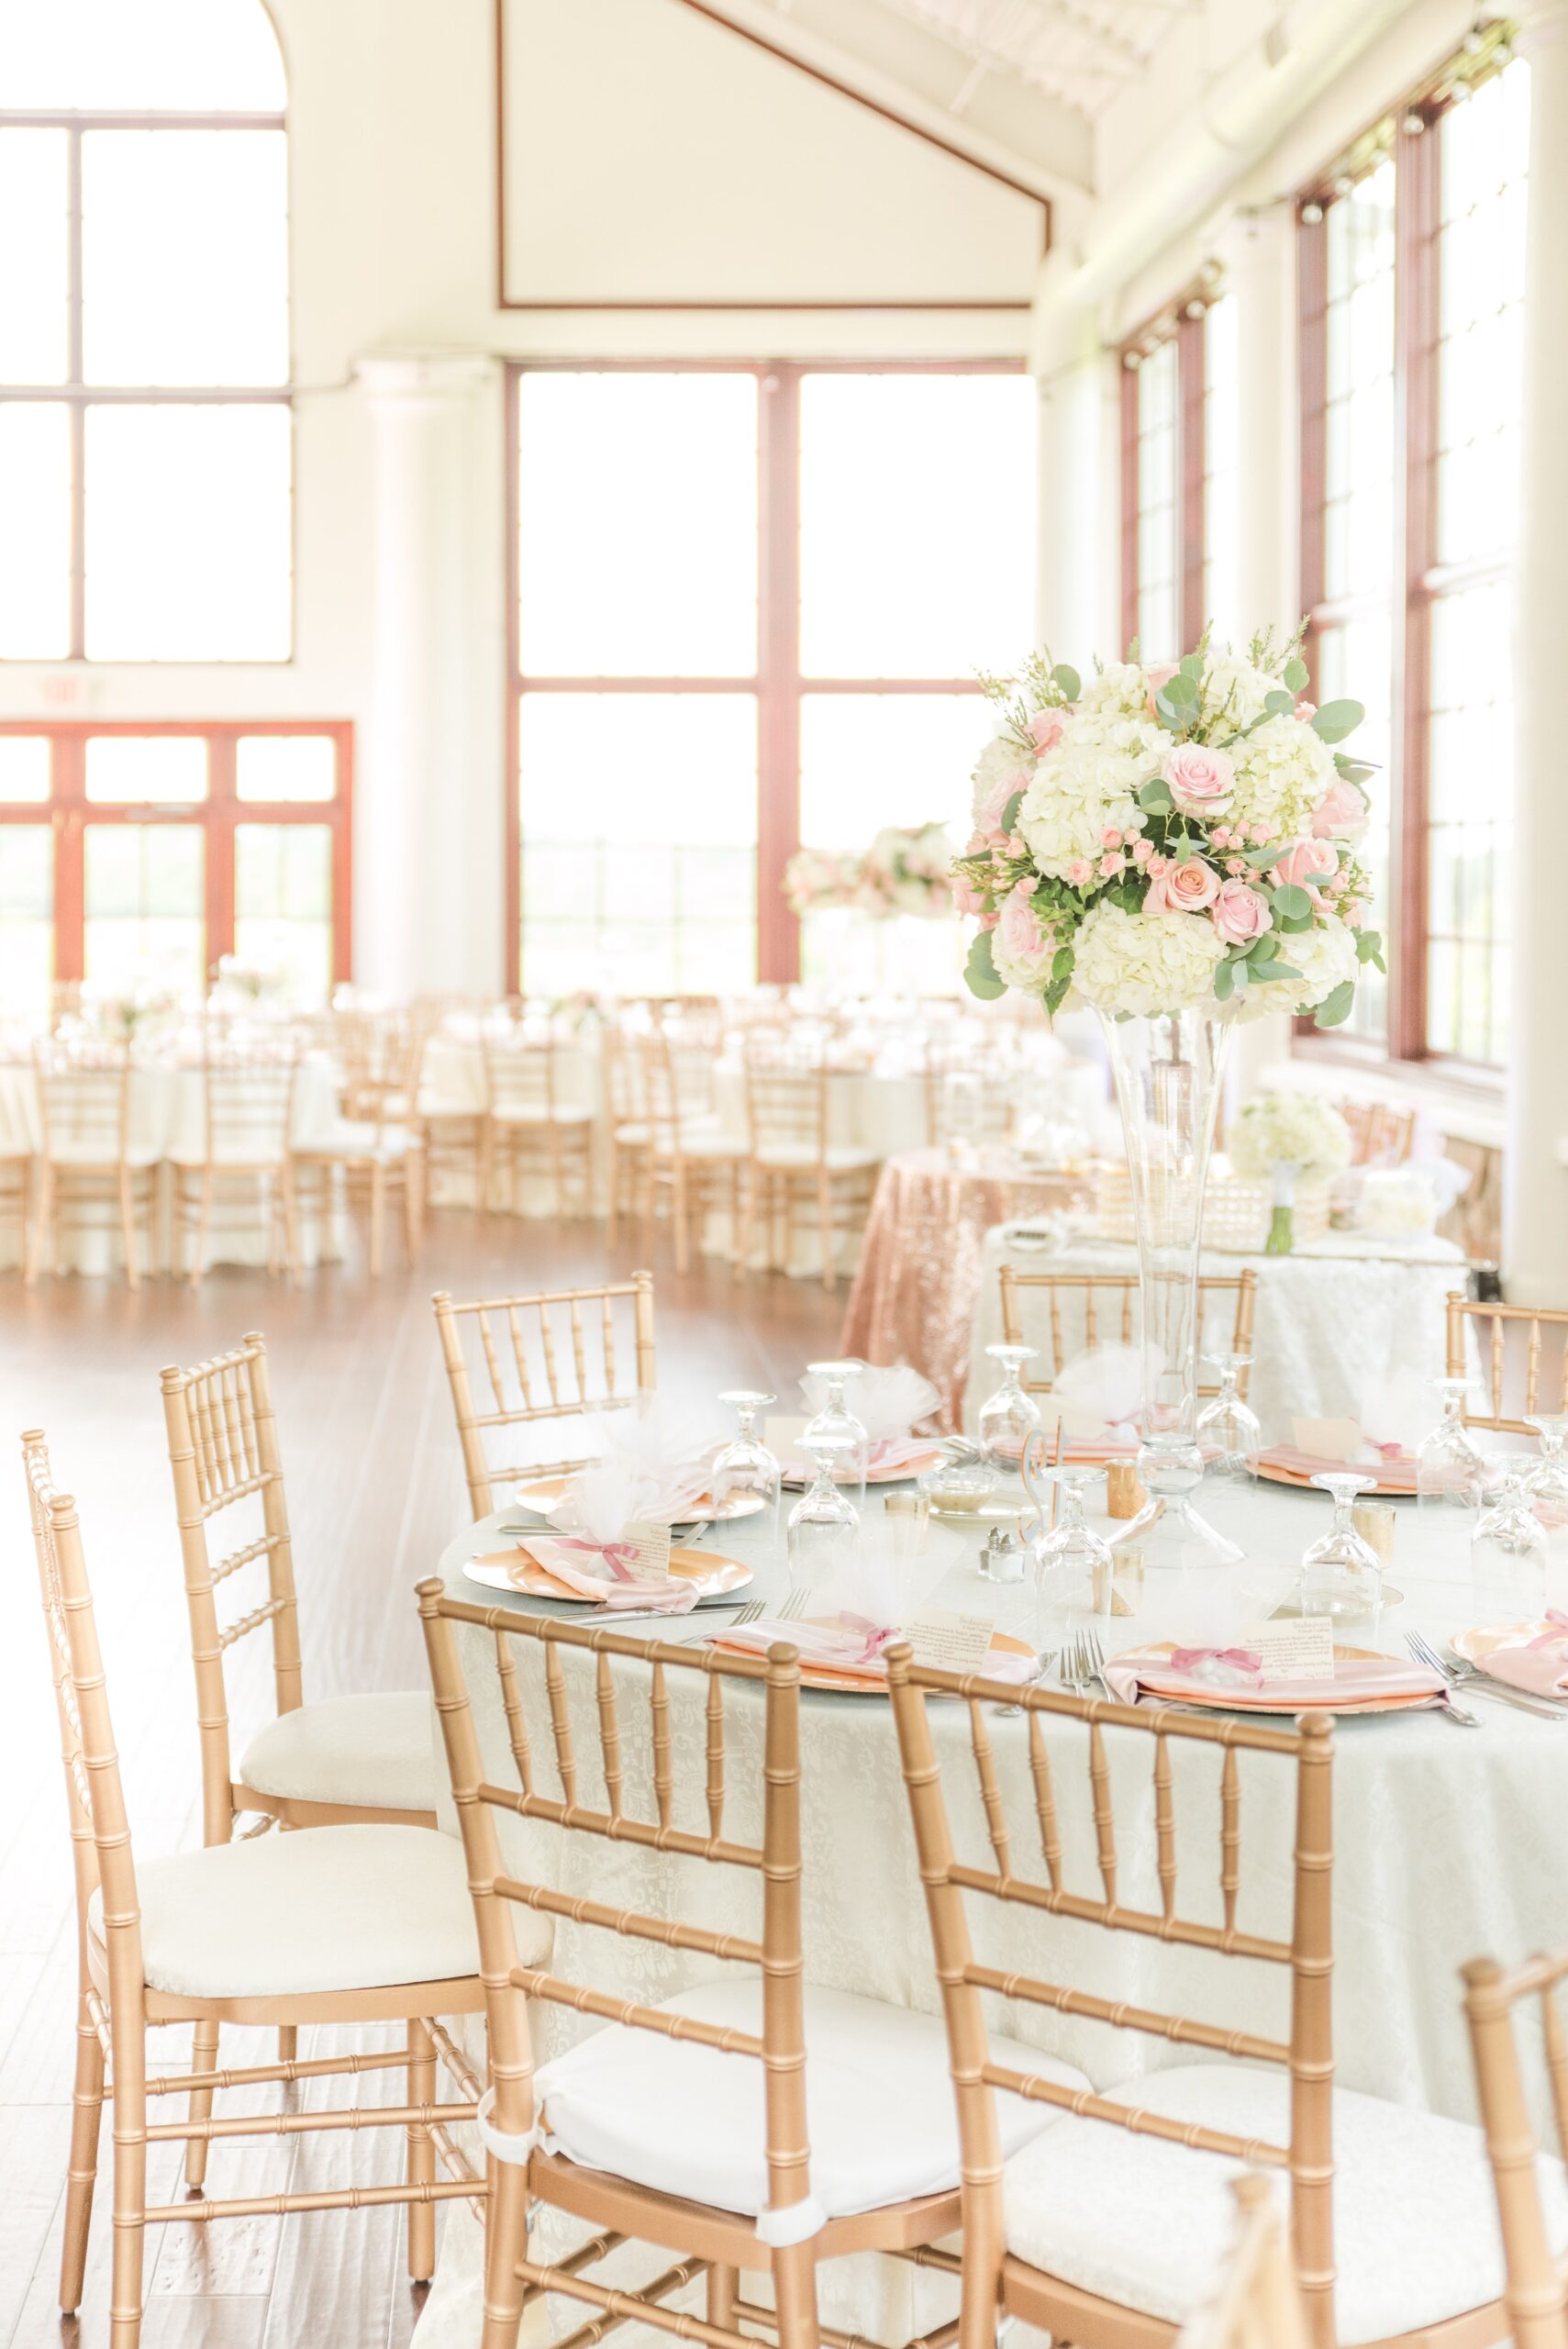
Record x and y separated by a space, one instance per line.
1019 948
1325 956
1282 773
1087 783
1002 762
1291 1129
1233 687
1120 691
1146 963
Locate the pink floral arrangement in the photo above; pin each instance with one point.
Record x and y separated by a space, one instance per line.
905 870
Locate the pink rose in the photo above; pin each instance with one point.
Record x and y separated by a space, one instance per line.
1200 778
1241 914
1045 729
1028 885
1259 835
1186 888
965 896
1159 672
1020 934
1307 862
1340 814
989 812
989 921
1351 913
1110 862
1110 837
1080 872
1235 864
1143 851
1157 865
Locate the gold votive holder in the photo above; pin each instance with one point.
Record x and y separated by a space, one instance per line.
1124 1495
1126 1572
1374 1520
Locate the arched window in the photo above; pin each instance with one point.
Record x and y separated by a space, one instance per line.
145 460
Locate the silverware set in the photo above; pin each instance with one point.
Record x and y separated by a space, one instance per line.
1459 1672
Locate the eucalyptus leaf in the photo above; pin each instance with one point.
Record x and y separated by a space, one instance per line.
1262 969
1010 812
1334 720
1279 705
1068 679
1181 687
1259 859
1291 901
1225 980
1191 665
980 971
1062 963
1353 770
1240 970
1338 1006
1296 676
1292 925
1155 799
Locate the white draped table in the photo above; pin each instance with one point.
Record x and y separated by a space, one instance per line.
1447 1845
1330 1317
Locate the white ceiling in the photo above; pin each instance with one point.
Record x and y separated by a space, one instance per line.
1080 52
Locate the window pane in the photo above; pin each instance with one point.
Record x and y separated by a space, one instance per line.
1159 469
157 769
210 55
188 525
144 894
35 546
1359 468
185 257
1355 663
652 874
1469 834
1481 254
1221 475
27 920
636 542
917 524
279 767
24 767
867 760
282 904
33 257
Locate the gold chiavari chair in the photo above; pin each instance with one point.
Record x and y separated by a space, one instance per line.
683 2123
1381 1135
381 1163
1534 2235
246 1158
520 1342
1258 2305
627 1130
970 1091
528 1125
687 1154
88 1163
1109 2230
1504 1333
329 1925
1101 1311
791 1163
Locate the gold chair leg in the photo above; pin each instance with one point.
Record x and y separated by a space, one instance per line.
43 1217
129 2124
86 2111
377 1220
421 2154
204 1212
723 2290
506 2242
128 1230
795 2296
203 2058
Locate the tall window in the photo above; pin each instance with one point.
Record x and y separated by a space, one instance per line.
135 855
750 605
1179 519
144 361
1411 305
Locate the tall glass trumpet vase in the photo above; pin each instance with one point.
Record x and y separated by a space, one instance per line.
1168 1071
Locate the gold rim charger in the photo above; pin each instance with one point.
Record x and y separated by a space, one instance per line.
515 1570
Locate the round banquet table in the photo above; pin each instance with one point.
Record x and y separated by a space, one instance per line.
1446 1842
917 1281
1334 1314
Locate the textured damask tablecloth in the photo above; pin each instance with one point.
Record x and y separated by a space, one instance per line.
1447 1845
1331 1316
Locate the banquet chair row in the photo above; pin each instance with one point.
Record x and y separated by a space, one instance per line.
1087 1310
1524 1353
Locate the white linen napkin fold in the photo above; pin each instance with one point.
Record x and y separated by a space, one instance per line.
590 1572
886 1400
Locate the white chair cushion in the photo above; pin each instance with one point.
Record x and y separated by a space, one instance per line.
322 1908
376 1752
1150 2224
631 1136
87 1157
565 1113
356 1138
258 1156
839 1157
700 1143
687 2120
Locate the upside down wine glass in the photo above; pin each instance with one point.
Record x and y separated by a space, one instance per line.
1228 1426
824 1525
1508 1549
1341 1573
1008 1419
1450 1471
746 1472
1073 1568
835 1421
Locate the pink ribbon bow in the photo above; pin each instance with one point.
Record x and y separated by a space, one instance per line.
876 1637
1552 1638
1241 1660
617 1555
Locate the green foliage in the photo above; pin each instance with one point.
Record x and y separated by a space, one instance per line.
1061 979
1155 799
1353 770
1369 949
1010 812
1294 673
1335 719
1068 679
1259 859
1265 967
1337 1009
980 971
1292 902
1278 704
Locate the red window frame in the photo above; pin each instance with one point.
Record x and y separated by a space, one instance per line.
777 683
68 812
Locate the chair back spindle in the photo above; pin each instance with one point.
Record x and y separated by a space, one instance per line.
1524 1358
1086 1310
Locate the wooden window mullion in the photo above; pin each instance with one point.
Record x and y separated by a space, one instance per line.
1417 200
1312 358
1191 453
218 824
778 667
68 767
1129 502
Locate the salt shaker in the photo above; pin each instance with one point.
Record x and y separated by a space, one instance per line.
1002 1559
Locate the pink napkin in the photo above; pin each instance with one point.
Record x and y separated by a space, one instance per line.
573 1564
1538 1665
1358 1680
852 1643
1395 1476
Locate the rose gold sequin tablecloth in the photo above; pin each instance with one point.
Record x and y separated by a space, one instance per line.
919 1278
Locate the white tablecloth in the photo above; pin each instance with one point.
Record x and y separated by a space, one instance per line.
1332 1315
1447 1845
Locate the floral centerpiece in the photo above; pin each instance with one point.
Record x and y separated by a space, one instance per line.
1177 843
907 869
1283 1135
123 1017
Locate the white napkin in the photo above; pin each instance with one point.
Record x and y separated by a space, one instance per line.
1100 1390
886 1400
617 1491
1398 1411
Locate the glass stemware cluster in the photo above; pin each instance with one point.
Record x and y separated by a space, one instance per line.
1450 1470
1229 1432
837 1424
745 1472
1009 1419
1341 1575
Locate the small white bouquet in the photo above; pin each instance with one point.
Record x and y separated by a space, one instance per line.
1281 1136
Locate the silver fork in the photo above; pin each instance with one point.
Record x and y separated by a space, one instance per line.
1459 1672
1420 1654
1094 1660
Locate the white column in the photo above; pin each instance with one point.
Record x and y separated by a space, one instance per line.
1079 594
428 862
1259 275
1536 1183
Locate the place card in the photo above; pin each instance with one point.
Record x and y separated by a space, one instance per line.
1331 1440
643 1554
949 1641
1299 1648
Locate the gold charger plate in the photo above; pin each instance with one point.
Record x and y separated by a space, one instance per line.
515 1570
859 1684
1243 1700
903 1473
1476 1644
1273 1473
546 1493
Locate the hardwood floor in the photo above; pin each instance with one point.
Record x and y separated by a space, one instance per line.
375 1490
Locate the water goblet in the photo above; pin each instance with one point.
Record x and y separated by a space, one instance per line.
745 1470
1450 1471
823 1529
1548 1480
1228 1425
1508 1549
836 1420
1074 1567
1009 1419
1340 1575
